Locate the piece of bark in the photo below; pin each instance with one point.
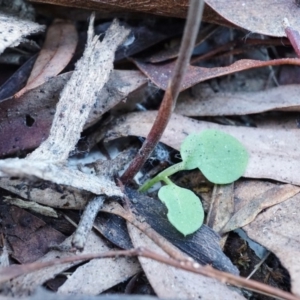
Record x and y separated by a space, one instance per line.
13 29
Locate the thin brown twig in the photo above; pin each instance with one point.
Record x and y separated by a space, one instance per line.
293 35
168 103
14 271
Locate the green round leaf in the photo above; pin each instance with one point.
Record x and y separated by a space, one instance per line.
185 211
221 158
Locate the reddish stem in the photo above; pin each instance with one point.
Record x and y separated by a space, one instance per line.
171 94
293 35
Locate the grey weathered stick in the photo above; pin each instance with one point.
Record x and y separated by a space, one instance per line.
86 222
170 97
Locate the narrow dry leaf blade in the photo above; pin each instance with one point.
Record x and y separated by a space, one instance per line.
248 212
50 195
79 95
160 74
40 209
264 17
58 49
221 206
285 97
272 153
13 29
170 282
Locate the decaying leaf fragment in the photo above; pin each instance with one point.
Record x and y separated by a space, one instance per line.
13 29
57 51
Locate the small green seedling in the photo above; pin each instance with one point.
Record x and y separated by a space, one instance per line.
220 157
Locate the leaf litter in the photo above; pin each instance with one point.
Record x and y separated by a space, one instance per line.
58 49
272 156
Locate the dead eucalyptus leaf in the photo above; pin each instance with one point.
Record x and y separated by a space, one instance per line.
47 193
264 17
26 121
160 74
221 207
40 209
277 229
285 97
251 209
98 275
273 152
162 8
95 244
170 282
13 29
58 49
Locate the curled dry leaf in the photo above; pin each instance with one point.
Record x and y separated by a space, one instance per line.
284 97
249 210
58 49
264 17
160 74
273 152
13 29
277 229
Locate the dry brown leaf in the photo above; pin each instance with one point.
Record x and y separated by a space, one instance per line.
98 275
170 282
160 74
50 195
162 8
250 209
221 208
38 106
58 49
13 29
264 17
285 97
278 230
40 209
29 282
273 153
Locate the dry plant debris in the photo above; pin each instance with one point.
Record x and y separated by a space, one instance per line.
57 51
13 29
76 114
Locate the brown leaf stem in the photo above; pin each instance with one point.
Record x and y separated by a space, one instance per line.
171 94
